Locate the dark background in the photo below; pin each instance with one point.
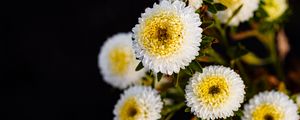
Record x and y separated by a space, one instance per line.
49 56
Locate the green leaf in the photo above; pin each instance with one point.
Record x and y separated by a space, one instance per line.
206 42
207 39
238 113
139 66
207 24
187 110
234 13
205 45
266 26
197 11
188 71
196 66
220 7
212 8
179 76
261 13
238 51
284 17
237 10
159 76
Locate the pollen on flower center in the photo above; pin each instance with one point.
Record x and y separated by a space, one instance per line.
267 112
231 4
119 60
213 91
162 34
268 117
130 110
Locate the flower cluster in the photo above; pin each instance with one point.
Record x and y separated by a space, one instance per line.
159 65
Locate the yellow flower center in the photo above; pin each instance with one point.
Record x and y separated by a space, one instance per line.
212 91
130 110
120 59
274 8
162 34
267 112
231 4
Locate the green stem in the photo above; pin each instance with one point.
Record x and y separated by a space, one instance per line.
180 90
274 56
217 57
171 111
170 116
243 72
222 32
268 39
226 44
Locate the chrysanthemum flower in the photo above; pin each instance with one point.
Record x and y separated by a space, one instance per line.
117 61
167 37
274 8
246 12
138 103
193 3
270 106
215 93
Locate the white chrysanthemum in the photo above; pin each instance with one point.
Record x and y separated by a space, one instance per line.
215 93
274 8
117 61
138 103
167 37
270 106
193 3
246 12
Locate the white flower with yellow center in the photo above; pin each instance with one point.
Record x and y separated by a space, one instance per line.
274 8
270 106
138 103
245 13
167 37
117 61
215 93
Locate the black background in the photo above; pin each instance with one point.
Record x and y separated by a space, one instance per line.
49 59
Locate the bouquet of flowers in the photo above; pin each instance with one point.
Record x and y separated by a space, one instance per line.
190 55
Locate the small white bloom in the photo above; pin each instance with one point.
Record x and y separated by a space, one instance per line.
138 103
274 8
196 4
117 62
215 93
167 37
270 106
246 12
